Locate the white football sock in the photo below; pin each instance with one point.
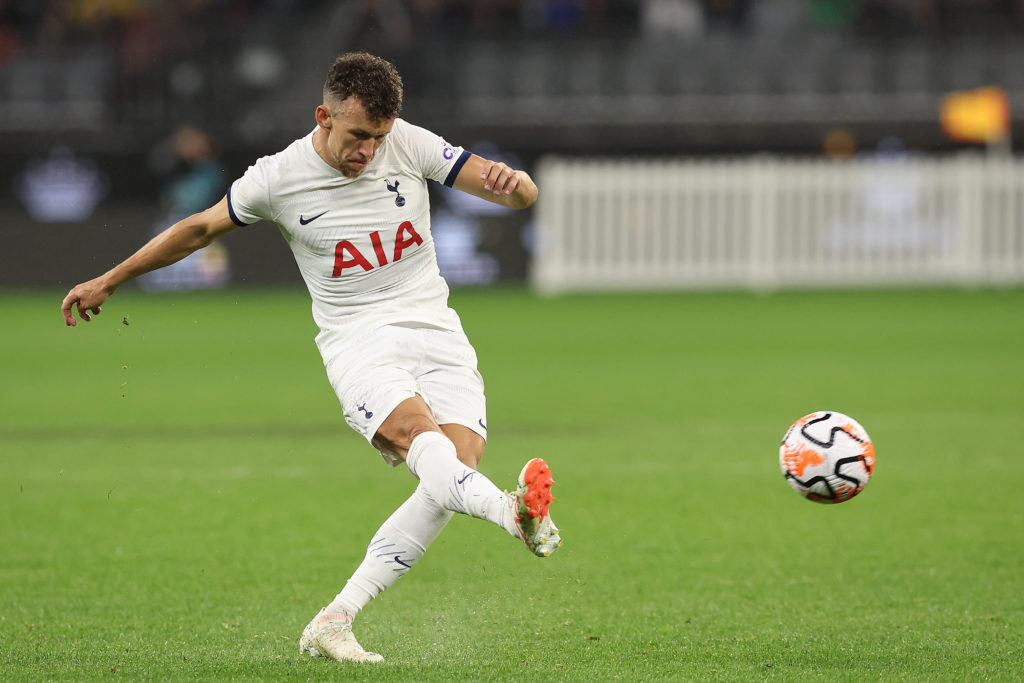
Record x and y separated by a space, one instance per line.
433 460
395 548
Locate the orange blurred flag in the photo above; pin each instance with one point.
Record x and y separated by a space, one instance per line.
981 115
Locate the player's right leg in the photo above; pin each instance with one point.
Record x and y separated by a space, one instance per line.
455 390
411 432
432 457
533 498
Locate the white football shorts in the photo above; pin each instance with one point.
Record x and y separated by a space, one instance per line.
374 373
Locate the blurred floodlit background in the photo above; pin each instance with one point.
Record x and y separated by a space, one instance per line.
678 143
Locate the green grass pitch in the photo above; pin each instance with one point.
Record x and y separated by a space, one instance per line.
179 495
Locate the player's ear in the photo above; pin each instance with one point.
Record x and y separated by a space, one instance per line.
323 117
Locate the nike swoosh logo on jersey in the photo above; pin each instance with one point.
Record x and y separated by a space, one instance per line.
307 221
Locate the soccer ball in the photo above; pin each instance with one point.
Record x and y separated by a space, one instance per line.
827 457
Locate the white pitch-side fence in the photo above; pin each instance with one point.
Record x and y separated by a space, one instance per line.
772 223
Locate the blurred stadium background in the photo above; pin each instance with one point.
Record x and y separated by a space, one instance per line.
163 483
117 116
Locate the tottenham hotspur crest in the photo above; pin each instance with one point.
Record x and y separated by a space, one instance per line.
399 199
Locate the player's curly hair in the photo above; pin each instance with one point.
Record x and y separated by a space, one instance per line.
371 80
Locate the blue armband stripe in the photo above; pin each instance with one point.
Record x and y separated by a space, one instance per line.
459 163
231 211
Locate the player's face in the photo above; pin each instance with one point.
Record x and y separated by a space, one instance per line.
353 137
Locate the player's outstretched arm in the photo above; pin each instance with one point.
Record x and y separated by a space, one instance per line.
170 246
496 182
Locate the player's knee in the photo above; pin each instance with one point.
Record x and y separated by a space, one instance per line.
416 426
402 426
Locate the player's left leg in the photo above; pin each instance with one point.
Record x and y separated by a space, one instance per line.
371 391
403 538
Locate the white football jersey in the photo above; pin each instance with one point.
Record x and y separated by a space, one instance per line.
363 245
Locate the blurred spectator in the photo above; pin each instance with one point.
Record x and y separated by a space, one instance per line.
889 210
726 14
563 15
981 17
195 181
19 22
780 19
96 14
832 14
8 40
381 27
926 15
493 16
883 18
429 17
672 18
839 145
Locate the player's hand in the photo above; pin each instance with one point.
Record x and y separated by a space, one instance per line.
499 178
87 298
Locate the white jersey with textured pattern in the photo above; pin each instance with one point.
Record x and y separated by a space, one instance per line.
363 245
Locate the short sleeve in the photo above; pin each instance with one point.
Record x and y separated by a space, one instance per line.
249 196
437 159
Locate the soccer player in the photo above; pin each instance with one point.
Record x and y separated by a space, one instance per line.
351 200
